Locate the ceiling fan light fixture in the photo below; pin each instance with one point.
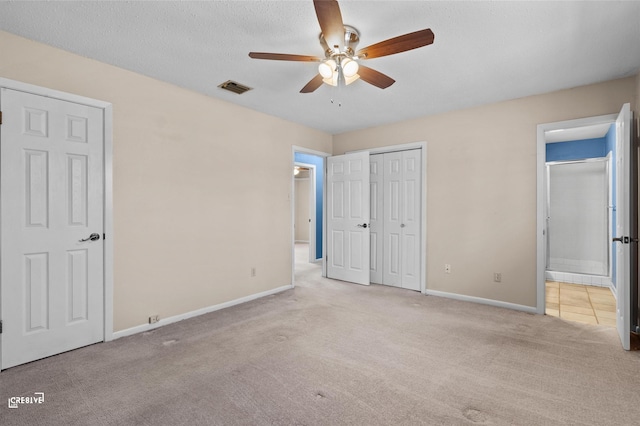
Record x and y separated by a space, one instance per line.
349 80
332 81
349 67
327 68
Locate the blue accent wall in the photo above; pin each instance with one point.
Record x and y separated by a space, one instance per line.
319 163
576 150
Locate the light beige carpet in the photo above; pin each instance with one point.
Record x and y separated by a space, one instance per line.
332 353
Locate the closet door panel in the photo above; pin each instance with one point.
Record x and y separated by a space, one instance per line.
392 255
376 163
410 219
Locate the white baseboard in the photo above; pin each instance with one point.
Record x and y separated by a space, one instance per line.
490 302
614 291
187 315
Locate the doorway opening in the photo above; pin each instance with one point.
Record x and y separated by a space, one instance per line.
588 274
304 207
307 211
579 206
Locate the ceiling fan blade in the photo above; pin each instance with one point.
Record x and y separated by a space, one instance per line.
284 57
397 44
330 19
374 77
313 84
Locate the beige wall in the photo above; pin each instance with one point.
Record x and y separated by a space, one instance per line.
481 185
200 197
189 227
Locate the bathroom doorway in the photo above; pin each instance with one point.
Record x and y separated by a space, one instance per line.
622 258
579 206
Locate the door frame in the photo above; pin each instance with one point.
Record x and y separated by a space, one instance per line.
303 150
312 208
423 202
107 111
541 252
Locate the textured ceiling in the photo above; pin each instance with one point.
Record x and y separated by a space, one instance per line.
483 51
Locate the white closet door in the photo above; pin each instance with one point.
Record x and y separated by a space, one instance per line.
348 217
393 204
410 219
376 163
402 192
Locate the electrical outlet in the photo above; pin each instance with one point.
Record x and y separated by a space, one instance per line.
253 272
447 268
497 277
154 319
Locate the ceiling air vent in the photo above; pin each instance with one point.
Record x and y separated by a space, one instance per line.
234 87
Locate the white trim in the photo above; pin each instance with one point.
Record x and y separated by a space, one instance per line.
614 291
51 93
423 262
108 184
310 151
405 147
393 148
540 193
490 302
610 216
197 312
108 223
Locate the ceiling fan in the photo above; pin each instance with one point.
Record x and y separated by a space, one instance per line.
340 64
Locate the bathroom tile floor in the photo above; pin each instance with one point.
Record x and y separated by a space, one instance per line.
581 303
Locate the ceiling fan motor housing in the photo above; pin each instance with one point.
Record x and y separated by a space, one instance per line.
351 39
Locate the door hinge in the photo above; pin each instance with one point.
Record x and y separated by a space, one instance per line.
0 117
0 327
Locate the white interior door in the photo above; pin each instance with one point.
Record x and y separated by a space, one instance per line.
348 217
393 191
411 218
51 187
402 189
376 216
623 209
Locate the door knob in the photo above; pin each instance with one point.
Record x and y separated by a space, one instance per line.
364 225
92 237
402 225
